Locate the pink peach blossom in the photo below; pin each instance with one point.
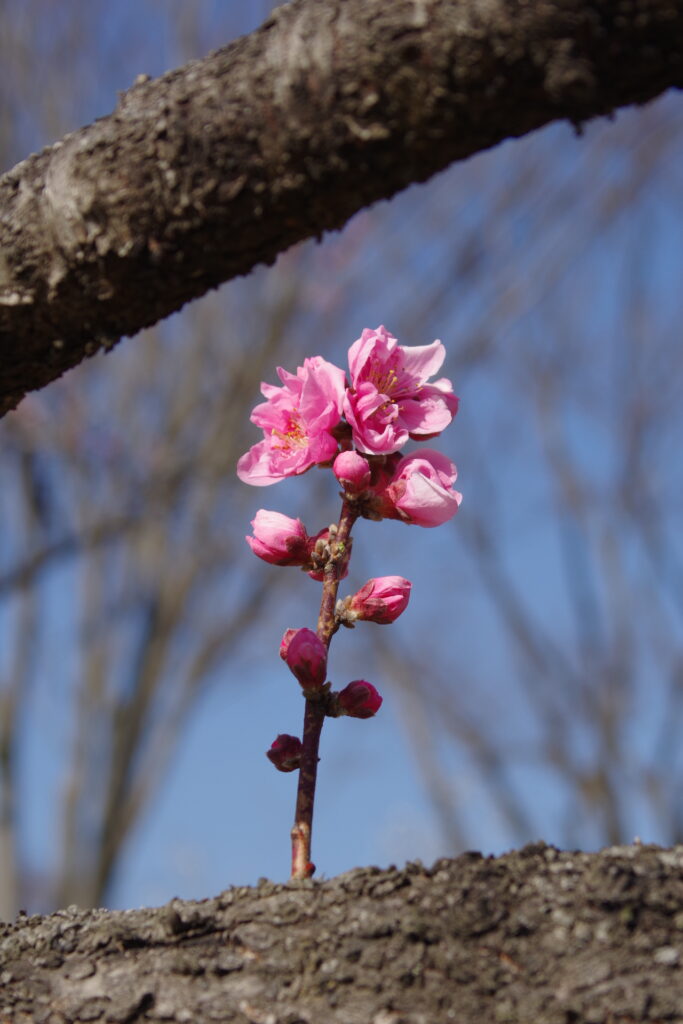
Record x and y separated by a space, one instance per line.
389 399
296 420
421 490
278 539
380 600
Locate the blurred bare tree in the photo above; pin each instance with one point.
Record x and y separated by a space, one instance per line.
128 481
123 529
570 531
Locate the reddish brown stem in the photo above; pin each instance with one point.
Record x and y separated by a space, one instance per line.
314 715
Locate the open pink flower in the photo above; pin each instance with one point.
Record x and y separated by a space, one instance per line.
389 399
421 490
296 420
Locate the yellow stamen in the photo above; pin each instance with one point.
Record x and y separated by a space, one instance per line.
293 437
385 383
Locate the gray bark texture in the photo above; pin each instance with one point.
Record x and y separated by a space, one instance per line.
200 175
532 937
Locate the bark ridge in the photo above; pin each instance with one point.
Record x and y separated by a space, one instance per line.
537 935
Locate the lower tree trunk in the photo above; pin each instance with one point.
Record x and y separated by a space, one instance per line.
534 936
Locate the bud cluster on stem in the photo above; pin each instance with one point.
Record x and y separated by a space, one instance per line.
356 424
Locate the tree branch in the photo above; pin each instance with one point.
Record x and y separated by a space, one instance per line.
536 935
202 174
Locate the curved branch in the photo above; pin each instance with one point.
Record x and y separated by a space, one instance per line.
200 175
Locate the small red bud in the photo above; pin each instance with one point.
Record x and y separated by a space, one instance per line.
359 699
307 658
285 753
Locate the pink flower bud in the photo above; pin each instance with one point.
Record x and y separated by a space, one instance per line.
284 643
352 471
278 539
285 753
307 658
421 490
359 700
381 600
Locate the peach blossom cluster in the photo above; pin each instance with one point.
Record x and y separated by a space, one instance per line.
319 416
357 424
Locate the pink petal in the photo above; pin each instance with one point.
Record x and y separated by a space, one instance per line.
322 391
427 503
428 415
429 462
375 346
255 466
421 361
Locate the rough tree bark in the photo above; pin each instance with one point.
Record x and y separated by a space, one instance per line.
533 937
200 175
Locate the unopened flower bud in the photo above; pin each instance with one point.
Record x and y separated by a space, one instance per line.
421 490
359 700
285 753
284 643
352 471
307 658
381 600
278 539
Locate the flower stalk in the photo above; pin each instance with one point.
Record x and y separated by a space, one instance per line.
314 714
355 425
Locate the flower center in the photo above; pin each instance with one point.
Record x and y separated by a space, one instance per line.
293 437
385 379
